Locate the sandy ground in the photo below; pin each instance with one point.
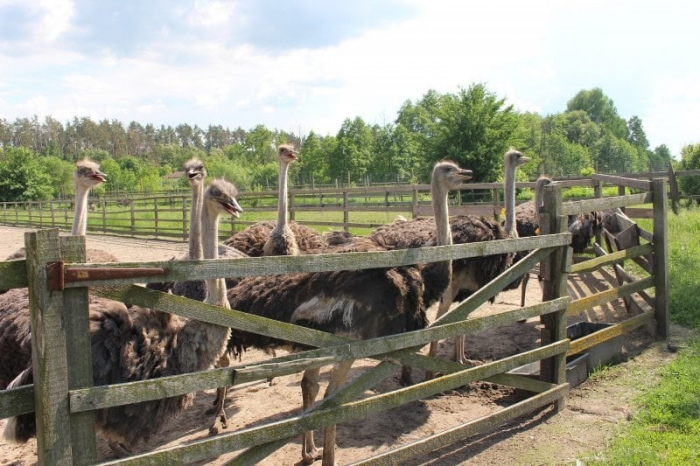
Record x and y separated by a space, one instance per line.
594 410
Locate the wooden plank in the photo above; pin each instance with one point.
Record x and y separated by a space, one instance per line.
581 344
50 364
590 205
200 450
673 184
604 297
465 209
609 259
257 266
13 274
78 344
660 271
622 181
16 401
461 432
630 279
341 349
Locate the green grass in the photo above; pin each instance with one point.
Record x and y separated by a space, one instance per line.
666 427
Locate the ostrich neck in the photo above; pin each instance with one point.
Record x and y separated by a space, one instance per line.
195 244
510 201
210 238
282 199
442 220
205 342
80 218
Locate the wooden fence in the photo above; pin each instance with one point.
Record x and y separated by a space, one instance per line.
168 216
65 400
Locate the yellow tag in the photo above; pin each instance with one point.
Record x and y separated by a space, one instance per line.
537 231
83 274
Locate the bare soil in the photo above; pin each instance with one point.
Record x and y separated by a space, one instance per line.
594 410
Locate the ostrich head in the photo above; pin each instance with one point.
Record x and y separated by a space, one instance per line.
514 158
88 174
286 154
449 176
220 197
195 171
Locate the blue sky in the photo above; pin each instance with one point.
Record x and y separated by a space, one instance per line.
308 65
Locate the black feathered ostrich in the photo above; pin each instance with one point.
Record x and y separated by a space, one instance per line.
357 304
137 343
286 236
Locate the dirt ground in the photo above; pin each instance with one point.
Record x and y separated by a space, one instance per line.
594 411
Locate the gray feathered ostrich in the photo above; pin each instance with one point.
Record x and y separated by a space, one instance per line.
583 228
254 239
195 173
87 175
136 343
356 304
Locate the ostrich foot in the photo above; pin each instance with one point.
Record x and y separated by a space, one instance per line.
406 379
271 381
119 449
220 412
308 457
220 418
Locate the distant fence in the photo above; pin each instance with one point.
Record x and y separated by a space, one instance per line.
167 216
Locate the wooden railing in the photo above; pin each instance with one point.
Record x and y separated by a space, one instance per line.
65 400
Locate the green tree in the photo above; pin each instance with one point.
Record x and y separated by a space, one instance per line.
601 109
22 177
353 156
690 160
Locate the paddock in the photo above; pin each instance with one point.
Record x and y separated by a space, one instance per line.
500 395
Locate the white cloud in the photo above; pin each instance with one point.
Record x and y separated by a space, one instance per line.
56 16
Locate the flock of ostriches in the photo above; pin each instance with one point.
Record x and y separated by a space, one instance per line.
133 343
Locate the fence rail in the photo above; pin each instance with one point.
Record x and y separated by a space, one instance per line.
65 401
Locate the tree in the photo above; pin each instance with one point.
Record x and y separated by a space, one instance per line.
690 160
601 109
22 177
353 154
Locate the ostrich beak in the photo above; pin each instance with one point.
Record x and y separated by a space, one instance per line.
233 208
99 176
464 175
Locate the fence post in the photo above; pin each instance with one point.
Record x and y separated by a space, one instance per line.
155 214
53 218
185 229
598 190
104 216
554 271
621 191
675 197
660 238
77 325
346 214
414 201
133 219
50 365
291 206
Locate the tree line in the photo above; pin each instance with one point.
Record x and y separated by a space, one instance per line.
473 127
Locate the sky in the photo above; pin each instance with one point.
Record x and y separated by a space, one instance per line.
301 66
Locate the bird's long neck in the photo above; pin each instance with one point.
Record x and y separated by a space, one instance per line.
282 205
195 244
207 340
442 219
210 244
80 217
509 193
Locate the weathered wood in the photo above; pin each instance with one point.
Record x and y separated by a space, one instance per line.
16 401
581 344
673 183
604 297
458 433
467 209
342 349
13 274
628 278
204 449
48 351
257 266
590 205
609 259
660 271
77 327
622 181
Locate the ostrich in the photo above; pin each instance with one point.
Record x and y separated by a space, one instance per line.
468 275
527 219
130 344
357 304
473 274
583 227
291 235
194 289
87 175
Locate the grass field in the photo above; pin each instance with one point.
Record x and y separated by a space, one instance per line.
666 428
